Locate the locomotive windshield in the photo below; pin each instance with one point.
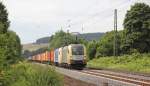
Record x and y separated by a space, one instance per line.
77 50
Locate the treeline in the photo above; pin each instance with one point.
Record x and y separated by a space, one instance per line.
61 39
10 47
86 36
14 73
135 38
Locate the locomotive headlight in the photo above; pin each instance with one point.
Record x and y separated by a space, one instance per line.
71 57
84 57
84 60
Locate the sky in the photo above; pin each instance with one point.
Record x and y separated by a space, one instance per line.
33 19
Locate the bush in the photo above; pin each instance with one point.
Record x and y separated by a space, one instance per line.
91 49
137 26
10 49
25 74
10 46
105 46
135 62
61 39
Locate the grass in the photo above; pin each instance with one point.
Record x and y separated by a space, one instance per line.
27 74
134 63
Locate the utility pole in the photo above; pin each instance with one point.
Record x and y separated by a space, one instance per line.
115 34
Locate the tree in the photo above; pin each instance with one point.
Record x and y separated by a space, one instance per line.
4 22
105 47
137 26
61 39
14 46
91 49
10 46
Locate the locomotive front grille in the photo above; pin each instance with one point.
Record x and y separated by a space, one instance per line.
77 62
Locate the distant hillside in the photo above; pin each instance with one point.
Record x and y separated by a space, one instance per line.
43 40
42 43
33 47
91 36
86 36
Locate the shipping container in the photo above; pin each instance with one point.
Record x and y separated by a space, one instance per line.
52 56
46 56
60 56
33 58
38 58
65 55
42 57
56 56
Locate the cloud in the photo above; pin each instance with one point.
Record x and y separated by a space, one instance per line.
33 19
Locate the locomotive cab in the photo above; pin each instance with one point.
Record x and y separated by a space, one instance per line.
77 55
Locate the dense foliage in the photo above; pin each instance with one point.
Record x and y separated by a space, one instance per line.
86 36
4 22
25 74
105 45
91 49
135 63
10 47
137 26
61 39
22 74
133 39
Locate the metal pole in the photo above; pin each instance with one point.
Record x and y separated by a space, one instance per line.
115 34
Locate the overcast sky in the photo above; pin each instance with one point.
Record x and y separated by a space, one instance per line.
33 19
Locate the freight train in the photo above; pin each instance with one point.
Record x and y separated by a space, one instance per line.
71 56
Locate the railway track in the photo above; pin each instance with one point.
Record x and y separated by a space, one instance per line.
106 77
126 78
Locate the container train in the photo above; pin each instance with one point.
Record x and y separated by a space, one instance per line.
71 56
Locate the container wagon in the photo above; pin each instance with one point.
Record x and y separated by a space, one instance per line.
73 55
65 57
56 52
52 56
60 56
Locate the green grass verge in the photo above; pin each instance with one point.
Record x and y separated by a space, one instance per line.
134 63
27 74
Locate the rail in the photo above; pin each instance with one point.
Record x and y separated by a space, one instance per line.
119 77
